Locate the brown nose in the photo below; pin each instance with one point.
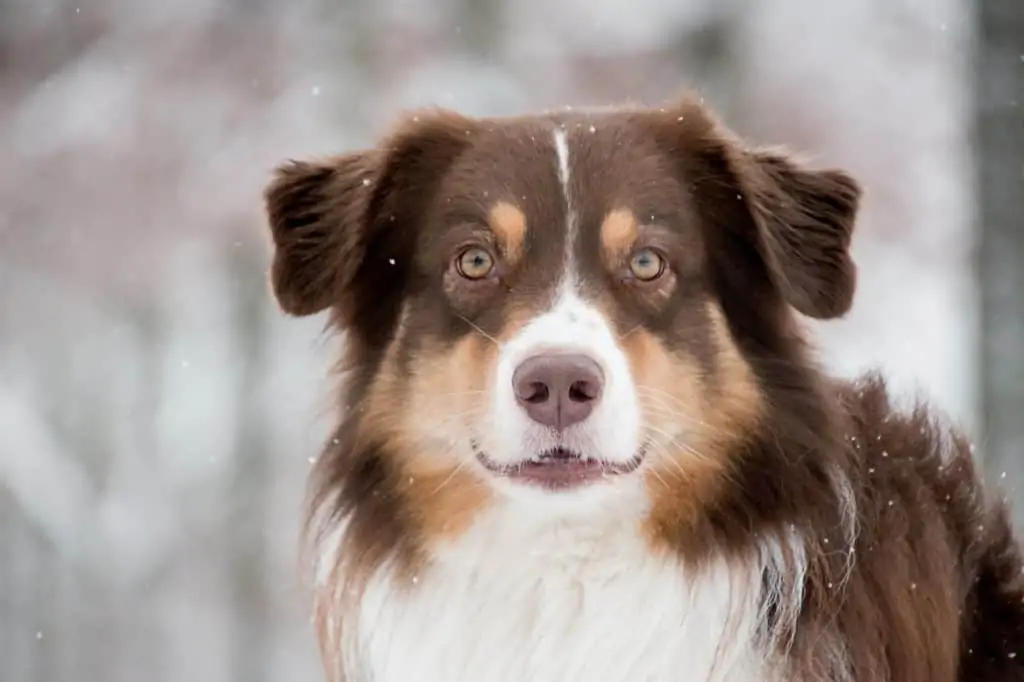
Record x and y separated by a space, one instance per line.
558 390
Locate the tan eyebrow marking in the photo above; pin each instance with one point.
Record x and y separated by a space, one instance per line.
618 233
509 225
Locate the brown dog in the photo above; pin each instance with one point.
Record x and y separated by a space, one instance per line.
581 436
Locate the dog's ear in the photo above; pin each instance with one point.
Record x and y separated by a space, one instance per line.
798 221
805 220
346 224
317 212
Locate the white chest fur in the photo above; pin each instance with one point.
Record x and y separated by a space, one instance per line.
523 598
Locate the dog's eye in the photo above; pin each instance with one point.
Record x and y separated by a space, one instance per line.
474 263
646 265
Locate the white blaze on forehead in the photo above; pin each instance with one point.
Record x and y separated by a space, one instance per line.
562 153
562 149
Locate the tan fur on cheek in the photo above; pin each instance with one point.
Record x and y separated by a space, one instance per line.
680 469
448 395
692 421
384 401
738 402
445 396
426 416
618 234
509 225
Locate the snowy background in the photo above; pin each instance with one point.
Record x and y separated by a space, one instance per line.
157 413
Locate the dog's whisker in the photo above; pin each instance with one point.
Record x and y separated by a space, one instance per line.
662 410
657 404
665 396
630 332
458 394
674 441
451 420
657 475
482 333
448 479
661 455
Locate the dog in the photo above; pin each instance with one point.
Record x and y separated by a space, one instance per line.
582 435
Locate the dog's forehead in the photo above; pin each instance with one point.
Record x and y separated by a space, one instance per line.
566 169
513 162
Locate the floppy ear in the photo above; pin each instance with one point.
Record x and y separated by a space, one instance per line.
317 212
344 227
804 220
798 222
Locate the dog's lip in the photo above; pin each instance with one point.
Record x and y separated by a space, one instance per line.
559 468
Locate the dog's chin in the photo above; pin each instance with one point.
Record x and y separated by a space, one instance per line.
560 469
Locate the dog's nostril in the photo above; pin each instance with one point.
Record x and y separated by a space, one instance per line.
558 390
536 393
583 391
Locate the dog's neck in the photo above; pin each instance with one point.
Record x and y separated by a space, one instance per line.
573 596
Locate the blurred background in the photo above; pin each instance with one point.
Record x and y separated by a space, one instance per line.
157 414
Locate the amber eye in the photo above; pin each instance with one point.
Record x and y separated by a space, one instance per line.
474 263
646 265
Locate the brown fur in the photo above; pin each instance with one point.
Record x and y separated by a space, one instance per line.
908 566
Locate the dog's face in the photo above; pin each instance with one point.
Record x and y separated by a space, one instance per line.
558 307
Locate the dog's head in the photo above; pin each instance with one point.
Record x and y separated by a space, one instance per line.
551 310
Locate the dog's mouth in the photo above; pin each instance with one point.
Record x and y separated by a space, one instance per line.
559 468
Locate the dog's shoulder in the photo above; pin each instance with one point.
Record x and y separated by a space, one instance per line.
921 495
